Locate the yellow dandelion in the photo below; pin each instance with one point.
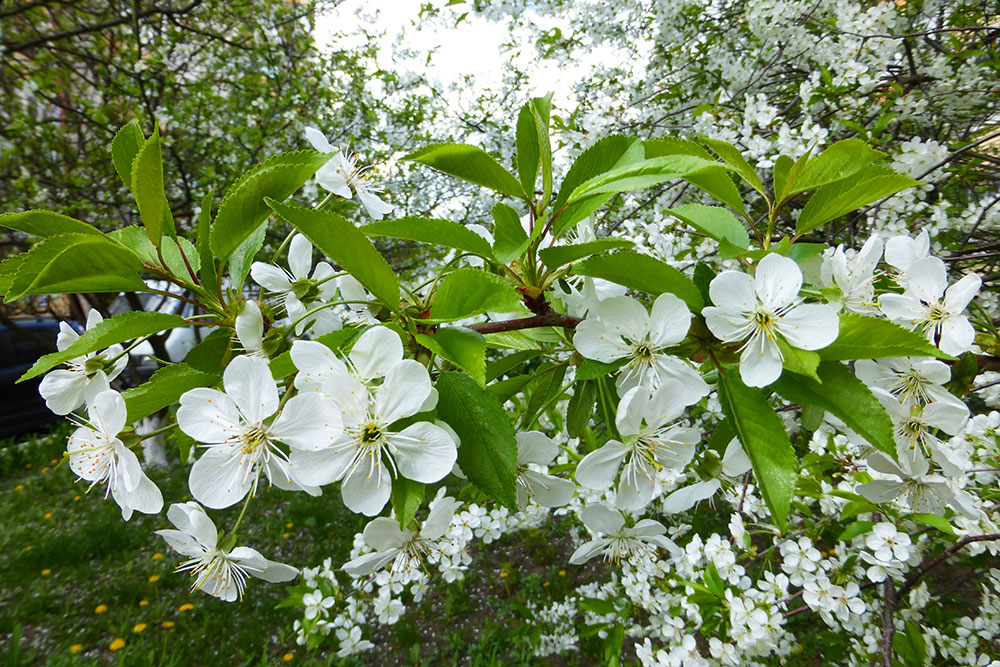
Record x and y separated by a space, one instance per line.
288 657
562 573
168 624
187 606
19 487
143 603
118 644
45 469
139 627
503 575
28 548
48 515
153 579
157 556
289 524
286 535
100 609
76 498
76 648
46 572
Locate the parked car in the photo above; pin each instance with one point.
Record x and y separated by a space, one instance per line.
21 407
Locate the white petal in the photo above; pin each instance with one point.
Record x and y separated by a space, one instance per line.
145 498
94 318
668 403
376 207
190 518
209 416
270 277
546 490
377 351
108 412
727 325
735 461
625 316
425 452
687 497
901 308
777 280
760 362
631 409
635 489
810 326
587 551
308 421
957 335
733 291
958 296
384 533
315 362
367 495
260 567
602 519
66 336
947 416
248 381
63 390
182 543
669 320
369 563
535 447
300 252
599 468
250 328
323 466
220 479
595 340
89 455
439 518
318 140
407 385
880 491
647 528
927 279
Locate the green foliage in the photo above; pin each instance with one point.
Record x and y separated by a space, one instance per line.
509 238
560 255
463 347
163 389
406 497
471 164
641 272
45 223
439 232
146 182
470 292
864 337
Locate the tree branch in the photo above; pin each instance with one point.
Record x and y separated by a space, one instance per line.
549 319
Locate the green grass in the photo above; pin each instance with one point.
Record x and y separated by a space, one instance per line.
67 553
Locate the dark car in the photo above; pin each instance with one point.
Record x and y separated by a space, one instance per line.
21 407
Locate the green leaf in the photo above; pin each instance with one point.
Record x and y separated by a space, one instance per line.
934 521
507 388
597 606
137 240
74 264
540 107
512 340
839 198
713 221
612 151
528 151
837 162
208 273
242 257
345 244
212 354
243 208
509 238
591 370
507 363
125 146
163 389
854 529
488 454
643 273
469 163
581 407
844 396
643 174
406 497
715 182
555 256
463 347
117 329
864 337
148 190
802 362
782 166
762 434
547 386
468 292
430 230
732 156
43 223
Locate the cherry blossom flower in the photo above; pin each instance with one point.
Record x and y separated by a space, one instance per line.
854 277
342 173
406 549
761 308
912 380
536 449
633 544
296 288
367 455
98 456
930 305
375 352
241 438
887 543
914 427
924 493
220 573
652 440
64 390
250 330
622 329
902 251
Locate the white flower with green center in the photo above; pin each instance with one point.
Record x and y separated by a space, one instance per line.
376 351
368 454
912 380
653 440
634 544
535 451
296 289
762 309
64 390
902 251
914 431
622 329
220 572
99 457
924 493
250 330
854 277
406 550
342 173
932 307
241 432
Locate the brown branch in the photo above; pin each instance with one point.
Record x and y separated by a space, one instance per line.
549 319
926 566
96 27
988 363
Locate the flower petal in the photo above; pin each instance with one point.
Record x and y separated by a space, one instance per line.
318 140
424 452
588 550
957 335
308 421
209 416
760 362
535 447
63 390
625 316
248 381
300 252
260 567
384 533
270 277
220 478
595 340
407 385
631 409
809 327
669 320
687 497
599 468
376 207
546 490
190 518
377 351
777 281
600 518
322 466
732 291
927 279
958 296
315 362
250 328
367 491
